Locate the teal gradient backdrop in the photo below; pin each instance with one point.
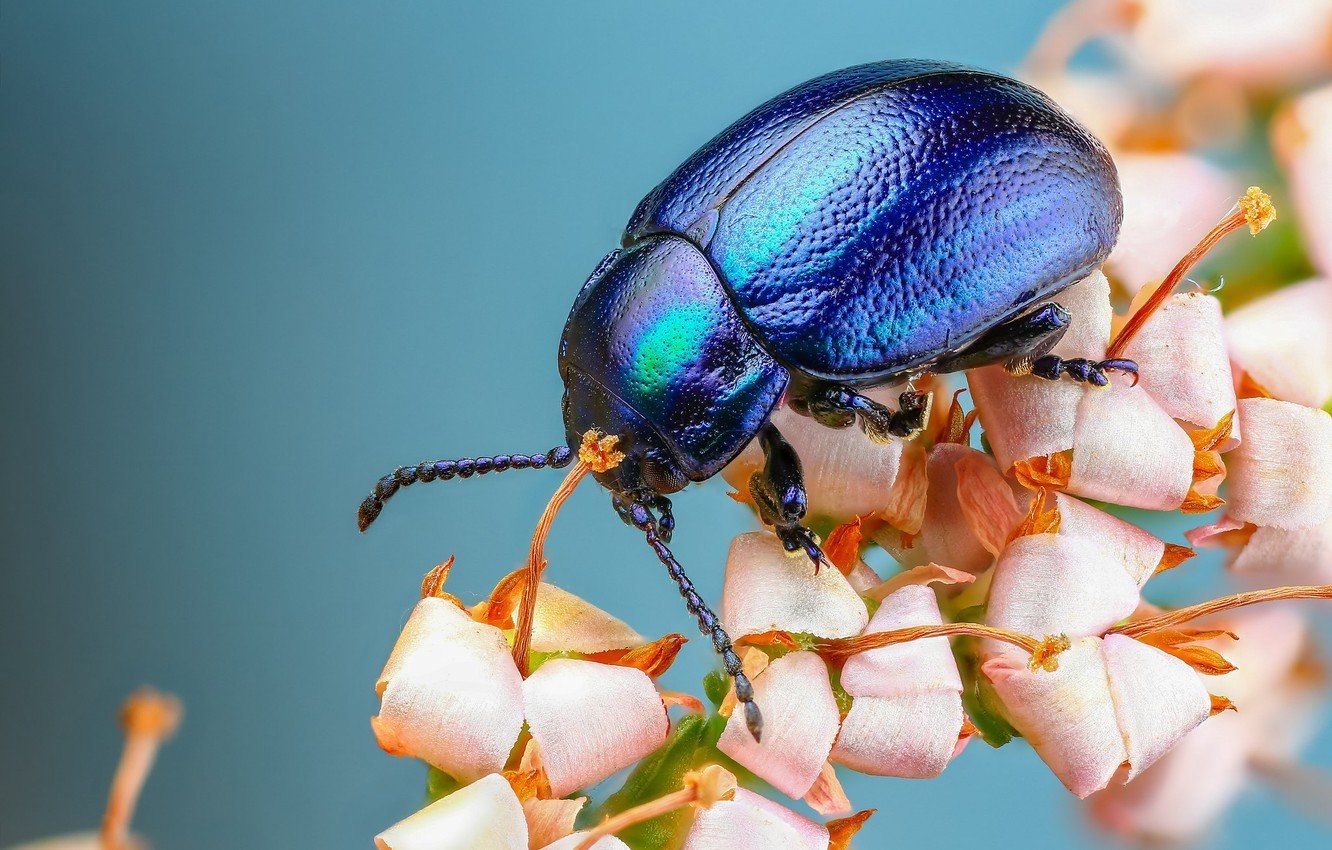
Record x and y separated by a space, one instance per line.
255 254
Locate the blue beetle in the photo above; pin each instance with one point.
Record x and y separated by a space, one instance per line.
864 228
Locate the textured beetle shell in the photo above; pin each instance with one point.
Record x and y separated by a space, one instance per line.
654 327
874 219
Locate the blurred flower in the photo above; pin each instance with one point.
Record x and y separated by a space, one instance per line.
1281 344
1232 40
1187 790
149 719
1302 137
452 695
1166 194
1109 104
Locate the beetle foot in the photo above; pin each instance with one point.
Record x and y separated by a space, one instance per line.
1093 372
913 414
630 506
796 538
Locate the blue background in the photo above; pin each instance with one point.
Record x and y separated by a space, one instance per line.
256 254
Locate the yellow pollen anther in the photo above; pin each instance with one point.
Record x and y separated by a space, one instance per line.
598 451
1046 657
1258 209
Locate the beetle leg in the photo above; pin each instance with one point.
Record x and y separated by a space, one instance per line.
1015 343
838 406
1093 372
779 492
639 513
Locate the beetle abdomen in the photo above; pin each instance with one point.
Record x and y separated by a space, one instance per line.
901 221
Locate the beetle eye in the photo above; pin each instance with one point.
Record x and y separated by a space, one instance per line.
661 474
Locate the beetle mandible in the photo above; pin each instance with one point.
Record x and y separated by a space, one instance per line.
864 228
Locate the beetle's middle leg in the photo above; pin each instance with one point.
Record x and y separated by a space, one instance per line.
839 406
1023 345
779 492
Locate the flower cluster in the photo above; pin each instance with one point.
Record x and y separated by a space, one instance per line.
1017 604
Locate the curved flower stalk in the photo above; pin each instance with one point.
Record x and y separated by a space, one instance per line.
452 695
1184 794
149 719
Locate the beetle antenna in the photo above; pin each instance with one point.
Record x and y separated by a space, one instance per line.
443 470
641 518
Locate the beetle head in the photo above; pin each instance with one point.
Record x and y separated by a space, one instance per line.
647 464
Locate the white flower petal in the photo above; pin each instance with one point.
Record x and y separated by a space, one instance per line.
1136 550
912 735
1067 715
1183 363
566 623
1027 417
751 822
768 588
1158 699
800 720
591 720
1059 584
905 668
550 820
1281 475
450 693
1275 557
485 815
569 842
1284 340
1303 139
846 473
948 533
1129 451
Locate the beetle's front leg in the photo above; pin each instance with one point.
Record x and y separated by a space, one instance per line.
779 492
645 511
837 407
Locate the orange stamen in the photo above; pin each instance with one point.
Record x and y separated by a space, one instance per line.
702 788
1044 651
596 454
149 719
1171 619
1254 209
